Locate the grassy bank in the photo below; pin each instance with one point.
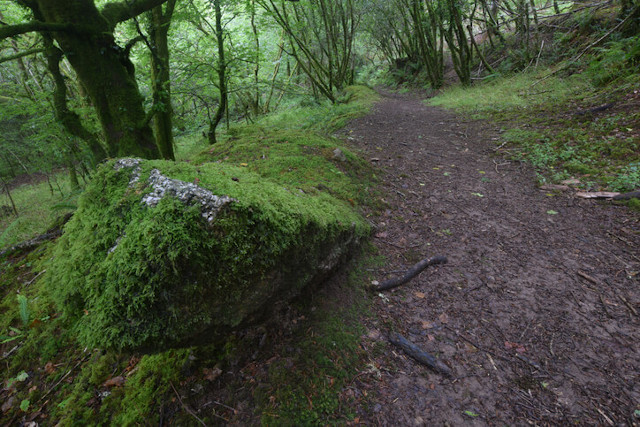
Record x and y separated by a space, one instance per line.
567 126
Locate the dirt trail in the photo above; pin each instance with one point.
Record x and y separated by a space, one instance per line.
537 310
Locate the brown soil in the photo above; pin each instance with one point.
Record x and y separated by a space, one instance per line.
537 310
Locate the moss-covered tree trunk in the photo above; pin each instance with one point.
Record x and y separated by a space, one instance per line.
69 119
161 81
104 70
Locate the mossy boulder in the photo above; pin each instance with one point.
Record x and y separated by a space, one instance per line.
162 254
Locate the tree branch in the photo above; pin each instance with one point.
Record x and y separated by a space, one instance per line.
20 54
27 27
115 13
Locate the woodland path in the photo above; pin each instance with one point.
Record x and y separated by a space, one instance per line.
536 312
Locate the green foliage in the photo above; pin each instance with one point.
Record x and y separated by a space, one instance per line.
548 120
36 205
516 94
628 179
616 60
24 309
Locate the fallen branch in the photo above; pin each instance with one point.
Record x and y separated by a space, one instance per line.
410 274
51 234
30 244
418 354
628 196
597 195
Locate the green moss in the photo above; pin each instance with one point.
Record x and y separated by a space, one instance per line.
141 399
139 277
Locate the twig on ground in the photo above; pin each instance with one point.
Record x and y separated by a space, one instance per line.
410 274
32 280
629 306
604 305
65 376
189 411
587 277
419 355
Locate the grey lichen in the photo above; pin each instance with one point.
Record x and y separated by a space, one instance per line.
163 186
129 163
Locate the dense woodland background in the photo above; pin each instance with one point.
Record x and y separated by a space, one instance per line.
84 81
127 78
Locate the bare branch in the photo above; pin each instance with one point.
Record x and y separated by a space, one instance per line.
27 27
115 13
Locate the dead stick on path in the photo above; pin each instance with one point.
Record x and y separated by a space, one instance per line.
410 274
418 354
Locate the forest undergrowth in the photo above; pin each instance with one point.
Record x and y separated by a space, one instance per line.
576 120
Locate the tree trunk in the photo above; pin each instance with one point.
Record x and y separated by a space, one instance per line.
106 73
222 75
69 119
161 80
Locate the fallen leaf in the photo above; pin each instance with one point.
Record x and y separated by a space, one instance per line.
114 382
443 318
552 212
470 348
49 368
514 346
419 295
471 413
212 374
244 164
427 325
8 404
477 194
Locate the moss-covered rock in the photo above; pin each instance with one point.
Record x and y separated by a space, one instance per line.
163 254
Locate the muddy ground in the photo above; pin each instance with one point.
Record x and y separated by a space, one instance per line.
537 311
